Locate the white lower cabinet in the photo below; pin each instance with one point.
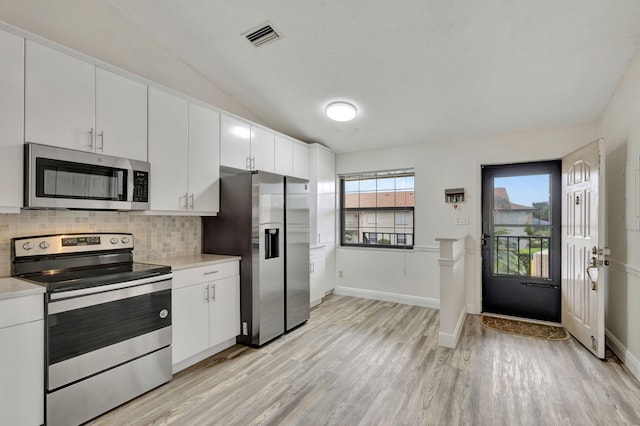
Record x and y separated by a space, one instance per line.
317 274
206 311
322 268
22 360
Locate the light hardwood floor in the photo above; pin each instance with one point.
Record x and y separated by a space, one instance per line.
365 362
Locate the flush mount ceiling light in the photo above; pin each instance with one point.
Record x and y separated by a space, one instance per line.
341 111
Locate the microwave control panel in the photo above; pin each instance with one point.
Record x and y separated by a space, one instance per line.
140 186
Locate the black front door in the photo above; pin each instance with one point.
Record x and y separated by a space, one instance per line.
521 240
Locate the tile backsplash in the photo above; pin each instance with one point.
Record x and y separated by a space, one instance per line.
155 237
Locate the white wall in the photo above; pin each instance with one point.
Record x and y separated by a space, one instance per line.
92 28
440 166
620 126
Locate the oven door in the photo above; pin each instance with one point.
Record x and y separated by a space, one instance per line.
94 332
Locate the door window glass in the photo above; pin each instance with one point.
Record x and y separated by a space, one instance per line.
522 225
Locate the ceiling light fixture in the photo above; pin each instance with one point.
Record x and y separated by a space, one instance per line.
341 111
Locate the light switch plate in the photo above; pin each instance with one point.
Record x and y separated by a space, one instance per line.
462 220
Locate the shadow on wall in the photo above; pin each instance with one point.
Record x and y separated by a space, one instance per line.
620 198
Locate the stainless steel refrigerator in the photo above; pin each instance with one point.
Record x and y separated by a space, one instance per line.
255 209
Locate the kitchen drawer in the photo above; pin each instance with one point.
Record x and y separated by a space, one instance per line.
19 310
201 274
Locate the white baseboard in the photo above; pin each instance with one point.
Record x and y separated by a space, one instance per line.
202 355
315 303
450 340
632 363
388 297
471 309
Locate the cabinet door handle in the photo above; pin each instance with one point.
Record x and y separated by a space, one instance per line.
206 294
248 163
186 201
191 201
253 163
91 139
101 147
213 292
210 272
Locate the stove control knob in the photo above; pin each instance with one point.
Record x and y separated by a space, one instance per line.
125 240
44 245
114 241
27 245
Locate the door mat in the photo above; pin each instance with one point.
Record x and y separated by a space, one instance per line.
524 328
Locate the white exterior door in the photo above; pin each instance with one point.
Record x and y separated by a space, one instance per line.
583 246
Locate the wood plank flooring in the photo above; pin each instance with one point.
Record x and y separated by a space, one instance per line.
365 362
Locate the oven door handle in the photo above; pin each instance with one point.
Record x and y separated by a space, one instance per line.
108 287
69 304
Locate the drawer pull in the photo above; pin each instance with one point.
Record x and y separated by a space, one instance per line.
210 273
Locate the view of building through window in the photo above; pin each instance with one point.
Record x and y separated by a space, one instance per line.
377 209
521 225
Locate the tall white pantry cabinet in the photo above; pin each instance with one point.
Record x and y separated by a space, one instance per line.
322 211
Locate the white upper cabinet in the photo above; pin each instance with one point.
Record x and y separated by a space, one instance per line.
184 142
59 99
235 143
204 161
11 124
262 149
283 156
245 147
121 116
168 150
300 161
291 158
74 104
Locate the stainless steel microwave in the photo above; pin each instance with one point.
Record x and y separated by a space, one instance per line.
69 179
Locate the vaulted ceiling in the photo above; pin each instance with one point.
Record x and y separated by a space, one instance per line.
419 71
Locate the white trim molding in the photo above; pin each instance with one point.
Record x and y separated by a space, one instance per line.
471 309
631 270
450 340
426 249
388 297
632 363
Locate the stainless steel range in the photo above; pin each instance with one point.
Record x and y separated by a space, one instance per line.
108 321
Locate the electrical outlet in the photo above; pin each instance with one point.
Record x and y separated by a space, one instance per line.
340 274
462 220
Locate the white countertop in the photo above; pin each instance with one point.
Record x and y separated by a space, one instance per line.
185 262
14 287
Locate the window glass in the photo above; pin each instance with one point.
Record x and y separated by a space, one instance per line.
378 208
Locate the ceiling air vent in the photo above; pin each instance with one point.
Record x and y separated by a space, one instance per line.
262 35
